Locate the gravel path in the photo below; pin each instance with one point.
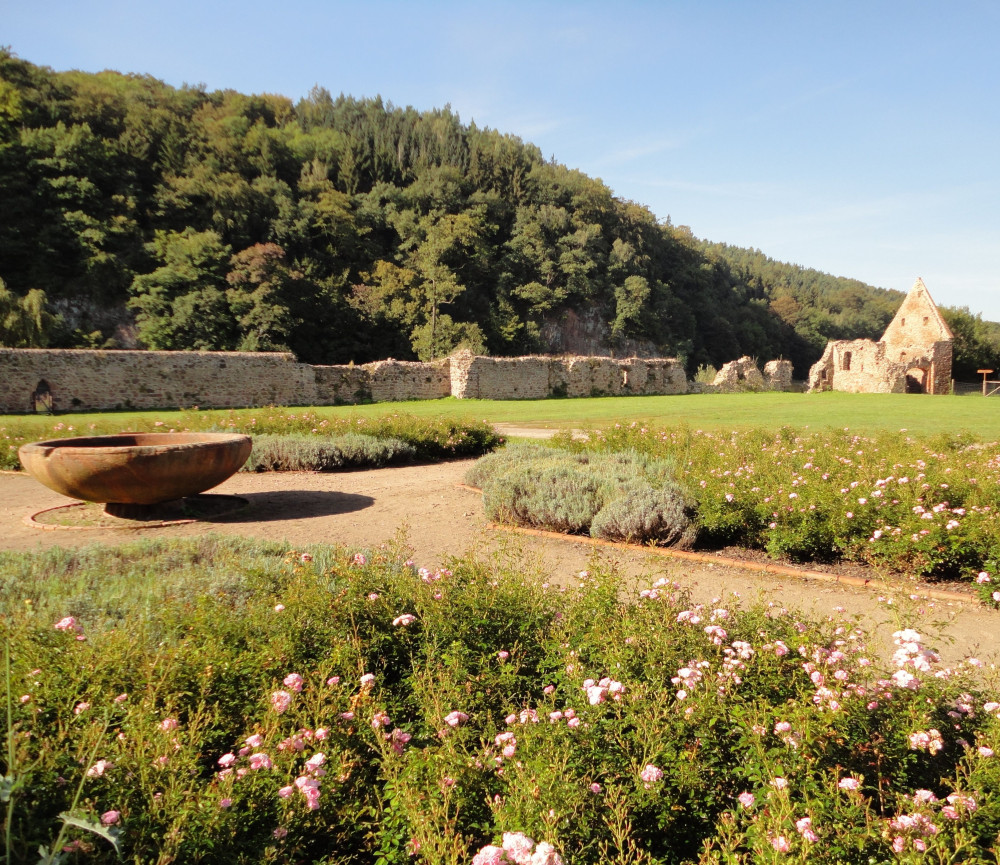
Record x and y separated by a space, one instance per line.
440 519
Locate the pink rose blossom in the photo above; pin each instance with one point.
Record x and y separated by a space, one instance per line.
168 724
280 701
780 843
99 768
110 818
404 620
226 760
456 718
254 741
651 774
260 760
491 855
518 847
225 803
804 828
746 799
315 761
294 681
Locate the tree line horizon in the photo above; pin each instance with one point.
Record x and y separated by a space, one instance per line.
138 214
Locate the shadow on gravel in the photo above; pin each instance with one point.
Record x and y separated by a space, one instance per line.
296 504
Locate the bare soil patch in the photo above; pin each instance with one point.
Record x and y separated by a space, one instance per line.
439 519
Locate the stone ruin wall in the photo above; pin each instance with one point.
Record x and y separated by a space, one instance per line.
863 366
381 381
86 380
539 376
82 380
743 375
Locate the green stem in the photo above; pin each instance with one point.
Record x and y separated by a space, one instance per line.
9 819
54 849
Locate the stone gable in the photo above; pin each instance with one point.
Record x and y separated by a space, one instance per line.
917 322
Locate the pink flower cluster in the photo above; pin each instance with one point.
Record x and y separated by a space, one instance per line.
650 775
518 849
308 781
911 653
69 623
597 692
927 740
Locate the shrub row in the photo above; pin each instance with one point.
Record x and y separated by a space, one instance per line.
228 701
927 507
616 496
296 453
411 437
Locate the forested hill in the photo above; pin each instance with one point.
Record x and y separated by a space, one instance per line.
135 213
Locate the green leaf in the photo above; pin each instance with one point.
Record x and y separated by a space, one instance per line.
110 834
8 784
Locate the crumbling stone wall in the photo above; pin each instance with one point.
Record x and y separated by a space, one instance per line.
536 377
67 380
778 375
913 356
96 380
475 377
738 375
857 366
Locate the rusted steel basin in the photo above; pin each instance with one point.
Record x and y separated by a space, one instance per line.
135 468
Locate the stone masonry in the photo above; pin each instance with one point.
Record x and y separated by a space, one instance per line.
84 380
913 356
539 376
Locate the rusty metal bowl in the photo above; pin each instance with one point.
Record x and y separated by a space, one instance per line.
135 468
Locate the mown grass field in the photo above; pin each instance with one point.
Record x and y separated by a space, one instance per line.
918 414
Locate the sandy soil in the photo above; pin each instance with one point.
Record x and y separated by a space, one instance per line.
440 519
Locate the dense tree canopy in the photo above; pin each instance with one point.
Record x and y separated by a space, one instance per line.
136 213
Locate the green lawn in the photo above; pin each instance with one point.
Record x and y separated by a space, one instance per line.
916 413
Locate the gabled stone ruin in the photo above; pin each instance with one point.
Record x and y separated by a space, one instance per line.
913 356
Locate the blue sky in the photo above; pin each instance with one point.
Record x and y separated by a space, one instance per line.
859 138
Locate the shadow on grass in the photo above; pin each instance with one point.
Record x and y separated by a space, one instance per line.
295 504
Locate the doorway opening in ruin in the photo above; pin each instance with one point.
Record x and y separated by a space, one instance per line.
41 398
916 380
